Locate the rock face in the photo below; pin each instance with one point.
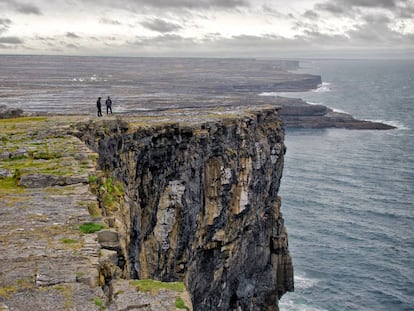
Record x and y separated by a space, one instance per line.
202 205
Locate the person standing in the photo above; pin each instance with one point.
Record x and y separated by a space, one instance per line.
108 103
99 106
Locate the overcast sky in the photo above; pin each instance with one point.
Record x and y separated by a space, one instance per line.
216 28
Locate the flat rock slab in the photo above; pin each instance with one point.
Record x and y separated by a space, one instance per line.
42 251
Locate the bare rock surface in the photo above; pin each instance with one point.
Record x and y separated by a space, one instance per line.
42 250
46 262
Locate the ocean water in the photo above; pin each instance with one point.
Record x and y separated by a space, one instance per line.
348 195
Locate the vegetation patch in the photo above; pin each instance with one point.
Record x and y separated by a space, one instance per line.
99 303
153 286
69 241
7 291
91 227
180 304
10 184
22 119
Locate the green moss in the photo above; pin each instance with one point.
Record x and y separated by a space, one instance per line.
22 119
7 291
180 304
69 241
148 285
91 227
9 185
92 179
99 303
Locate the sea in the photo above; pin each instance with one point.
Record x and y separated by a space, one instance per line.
347 195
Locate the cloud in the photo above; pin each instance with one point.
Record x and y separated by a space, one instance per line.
172 4
165 40
310 14
109 21
347 7
72 35
28 9
4 24
160 25
10 40
18 6
72 46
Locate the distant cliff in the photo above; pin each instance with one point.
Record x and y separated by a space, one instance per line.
201 204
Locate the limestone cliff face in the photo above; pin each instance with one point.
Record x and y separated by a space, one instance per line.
202 206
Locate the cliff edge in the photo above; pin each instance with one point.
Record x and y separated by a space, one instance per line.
191 204
201 203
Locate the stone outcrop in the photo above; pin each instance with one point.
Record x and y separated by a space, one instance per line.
9 112
296 113
201 203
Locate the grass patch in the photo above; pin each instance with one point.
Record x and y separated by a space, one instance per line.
91 227
180 304
7 291
148 285
9 185
99 303
94 210
22 119
69 241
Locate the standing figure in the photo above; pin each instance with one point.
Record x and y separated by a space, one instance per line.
108 103
99 106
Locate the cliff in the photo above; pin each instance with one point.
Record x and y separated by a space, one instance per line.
202 205
194 200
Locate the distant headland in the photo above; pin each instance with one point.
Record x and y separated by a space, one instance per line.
150 85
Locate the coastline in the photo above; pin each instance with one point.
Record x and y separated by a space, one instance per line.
149 85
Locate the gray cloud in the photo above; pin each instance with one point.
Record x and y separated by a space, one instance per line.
160 25
28 9
375 30
72 46
348 7
4 24
18 6
311 15
172 4
10 40
72 35
163 40
109 21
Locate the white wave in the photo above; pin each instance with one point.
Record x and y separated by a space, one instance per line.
297 301
333 109
338 110
269 94
302 282
291 305
324 87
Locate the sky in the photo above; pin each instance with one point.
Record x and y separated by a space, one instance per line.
209 28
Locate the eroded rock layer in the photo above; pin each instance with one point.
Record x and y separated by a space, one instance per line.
201 205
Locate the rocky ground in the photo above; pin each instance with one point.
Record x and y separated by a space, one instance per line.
46 261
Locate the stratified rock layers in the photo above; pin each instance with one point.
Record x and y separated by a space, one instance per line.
202 206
